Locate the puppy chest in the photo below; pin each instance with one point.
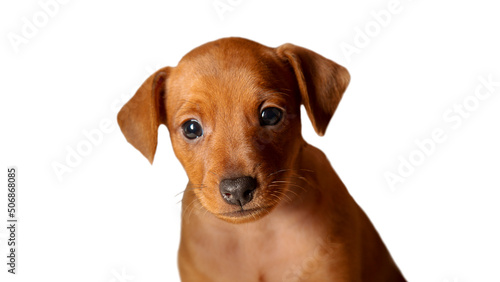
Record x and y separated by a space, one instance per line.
250 257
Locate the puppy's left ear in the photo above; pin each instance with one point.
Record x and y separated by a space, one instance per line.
140 117
321 83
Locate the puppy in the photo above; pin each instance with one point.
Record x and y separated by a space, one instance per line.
261 204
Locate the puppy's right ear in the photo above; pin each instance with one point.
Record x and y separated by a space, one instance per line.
140 117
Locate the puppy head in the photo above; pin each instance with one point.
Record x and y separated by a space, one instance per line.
232 107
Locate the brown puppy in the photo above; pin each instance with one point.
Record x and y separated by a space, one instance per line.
261 204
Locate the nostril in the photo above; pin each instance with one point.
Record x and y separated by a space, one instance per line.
247 193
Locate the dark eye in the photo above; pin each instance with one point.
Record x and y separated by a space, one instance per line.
270 116
192 129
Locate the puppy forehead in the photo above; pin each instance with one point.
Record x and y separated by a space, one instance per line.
229 71
231 88
228 50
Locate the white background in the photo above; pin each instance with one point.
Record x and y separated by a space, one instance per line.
115 217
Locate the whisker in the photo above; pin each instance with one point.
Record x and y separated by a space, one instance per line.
188 207
195 185
192 209
279 171
206 211
190 188
291 169
287 183
276 196
296 177
187 190
294 193
285 195
298 186
281 193
291 191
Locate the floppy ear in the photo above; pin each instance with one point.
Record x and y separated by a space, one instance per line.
140 117
321 83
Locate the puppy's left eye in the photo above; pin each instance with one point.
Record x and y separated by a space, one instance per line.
270 116
192 129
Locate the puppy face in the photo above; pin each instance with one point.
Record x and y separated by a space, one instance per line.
234 118
233 111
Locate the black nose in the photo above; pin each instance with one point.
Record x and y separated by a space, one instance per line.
238 191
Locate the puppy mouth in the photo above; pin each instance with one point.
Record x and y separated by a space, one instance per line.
246 212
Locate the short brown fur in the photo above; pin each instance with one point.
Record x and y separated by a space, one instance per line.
302 224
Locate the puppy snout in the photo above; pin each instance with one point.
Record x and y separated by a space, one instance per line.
238 191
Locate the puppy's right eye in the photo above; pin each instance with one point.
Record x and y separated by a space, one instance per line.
192 129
